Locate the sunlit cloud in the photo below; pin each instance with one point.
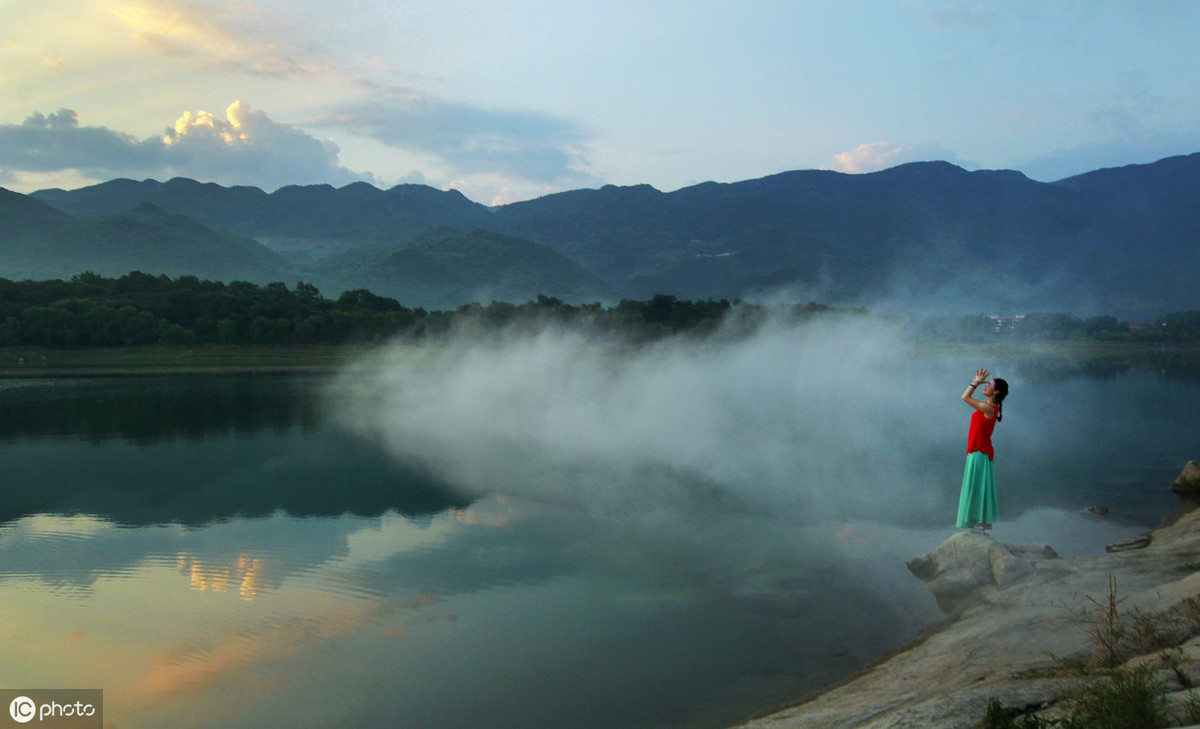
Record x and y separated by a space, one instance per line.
378 62
875 156
247 144
233 36
525 151
363 104
244 146
869 157
178 29
503 197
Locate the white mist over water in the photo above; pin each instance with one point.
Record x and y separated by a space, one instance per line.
811 422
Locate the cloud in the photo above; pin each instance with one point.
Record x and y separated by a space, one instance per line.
245 147
247 143
359 96
875 156
506 144
56 142
960 15
1115 152
232 36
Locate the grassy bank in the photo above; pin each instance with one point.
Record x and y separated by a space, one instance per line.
1074 348
23 362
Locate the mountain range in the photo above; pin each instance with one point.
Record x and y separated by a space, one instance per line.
927 236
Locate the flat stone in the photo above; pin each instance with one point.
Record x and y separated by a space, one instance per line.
957 570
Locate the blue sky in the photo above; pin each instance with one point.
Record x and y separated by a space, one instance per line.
510 101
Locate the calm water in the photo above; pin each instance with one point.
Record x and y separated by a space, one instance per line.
221 551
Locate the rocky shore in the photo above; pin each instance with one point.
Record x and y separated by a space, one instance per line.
1017 617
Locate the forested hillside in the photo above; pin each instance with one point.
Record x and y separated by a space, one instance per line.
140 309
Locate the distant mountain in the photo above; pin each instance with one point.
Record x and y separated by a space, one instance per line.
828 235
928 235
356 212
22 217
922 235
38 242
448 268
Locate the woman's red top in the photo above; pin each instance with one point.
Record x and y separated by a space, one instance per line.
979 438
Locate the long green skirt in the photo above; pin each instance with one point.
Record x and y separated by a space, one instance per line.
977 503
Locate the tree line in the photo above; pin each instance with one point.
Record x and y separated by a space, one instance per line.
1175 327
90 310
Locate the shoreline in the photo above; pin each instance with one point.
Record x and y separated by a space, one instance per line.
1010 642
923 635
157 359
207 359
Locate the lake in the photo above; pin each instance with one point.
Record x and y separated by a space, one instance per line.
276 551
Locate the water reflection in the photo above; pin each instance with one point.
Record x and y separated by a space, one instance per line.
468 617
264 568
504 614
1113 432
224 613
147 410
1058 369
245 447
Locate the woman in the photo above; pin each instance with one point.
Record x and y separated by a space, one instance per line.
977 503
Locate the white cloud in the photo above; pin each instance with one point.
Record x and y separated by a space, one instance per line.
357 95
504 145
244 147
247 143
230 36
960 15
875 156
1114 152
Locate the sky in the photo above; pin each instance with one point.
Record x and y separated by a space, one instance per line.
511 101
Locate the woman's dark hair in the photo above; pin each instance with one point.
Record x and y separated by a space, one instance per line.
1001 388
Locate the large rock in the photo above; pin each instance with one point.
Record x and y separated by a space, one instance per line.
959 569
1188 481
1012 644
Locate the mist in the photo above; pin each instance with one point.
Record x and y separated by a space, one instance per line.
781 477
825 420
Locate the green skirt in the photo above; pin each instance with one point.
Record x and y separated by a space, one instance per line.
977 503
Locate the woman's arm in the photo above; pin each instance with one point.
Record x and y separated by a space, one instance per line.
968 395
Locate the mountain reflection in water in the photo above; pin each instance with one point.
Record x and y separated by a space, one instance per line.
191 450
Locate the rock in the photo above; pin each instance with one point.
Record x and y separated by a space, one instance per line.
957 569
1168 680
1139 542
1098 510
1188 481
1030 627
1190 671
1178 708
